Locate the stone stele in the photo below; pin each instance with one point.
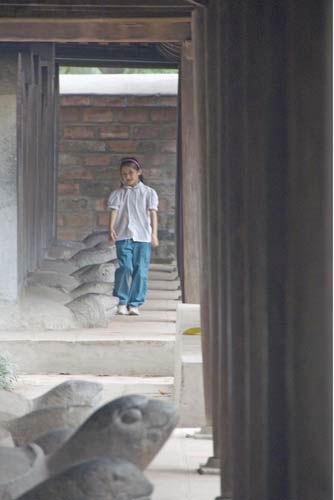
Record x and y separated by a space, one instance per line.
29 427
97 479
132 427
68 393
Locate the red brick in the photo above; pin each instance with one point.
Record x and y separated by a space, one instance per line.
163 115
84 146
123 146
169 132
75 100
79 133
145 132
102 160
168 147
114 132
163 205
66 234
60 220
101 205
167 100
148 147
70 114
108 100
74 174
159 159
68 188
137 100
103 219
97 115
77 220
133 115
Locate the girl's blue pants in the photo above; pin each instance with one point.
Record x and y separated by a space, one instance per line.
132 274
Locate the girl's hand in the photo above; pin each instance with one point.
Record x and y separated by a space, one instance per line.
112 235
154 240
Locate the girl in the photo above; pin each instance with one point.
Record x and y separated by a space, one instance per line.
134 228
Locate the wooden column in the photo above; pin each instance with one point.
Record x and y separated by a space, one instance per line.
267 199
191 214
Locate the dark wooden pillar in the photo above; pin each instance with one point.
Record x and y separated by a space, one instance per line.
191 215
266 202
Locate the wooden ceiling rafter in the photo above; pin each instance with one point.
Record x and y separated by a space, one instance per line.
133 30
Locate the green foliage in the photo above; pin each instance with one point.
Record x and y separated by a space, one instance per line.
69 70
7 372
74 70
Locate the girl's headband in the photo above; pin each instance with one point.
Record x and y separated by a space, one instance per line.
125 161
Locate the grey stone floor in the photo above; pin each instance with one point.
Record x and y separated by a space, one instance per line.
174 471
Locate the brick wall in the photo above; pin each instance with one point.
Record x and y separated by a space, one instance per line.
94 133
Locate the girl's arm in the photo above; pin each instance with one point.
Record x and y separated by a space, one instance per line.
154 224
112 219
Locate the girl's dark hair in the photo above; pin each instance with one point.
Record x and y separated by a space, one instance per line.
130 160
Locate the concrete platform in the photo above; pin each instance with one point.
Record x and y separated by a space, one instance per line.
161 388
174 470
131 346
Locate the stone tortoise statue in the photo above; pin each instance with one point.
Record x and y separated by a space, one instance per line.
131 428
99 478
68 393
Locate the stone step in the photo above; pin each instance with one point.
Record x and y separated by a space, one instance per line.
161 388
164 285
163 275
159 305
163 267
164 294
127 348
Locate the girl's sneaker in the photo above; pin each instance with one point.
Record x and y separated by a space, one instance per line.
133 311
122 309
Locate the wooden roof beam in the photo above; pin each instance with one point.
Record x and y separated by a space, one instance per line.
95 30
198 3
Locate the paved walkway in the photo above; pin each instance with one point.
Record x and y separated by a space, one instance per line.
174 471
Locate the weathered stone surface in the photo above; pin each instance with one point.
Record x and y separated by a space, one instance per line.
42 293
133 428
94 238
70 393
97 272
51 441
58 266
29 427
97 479
42 308
21 468
53 279
90 256
14 403
93 309
6 438
104 288
64 249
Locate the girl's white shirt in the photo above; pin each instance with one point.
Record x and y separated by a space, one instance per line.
133 218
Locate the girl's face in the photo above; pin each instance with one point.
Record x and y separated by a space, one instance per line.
130 175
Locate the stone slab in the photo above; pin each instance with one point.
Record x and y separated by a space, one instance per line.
60 352
32 386
174 471
164 285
